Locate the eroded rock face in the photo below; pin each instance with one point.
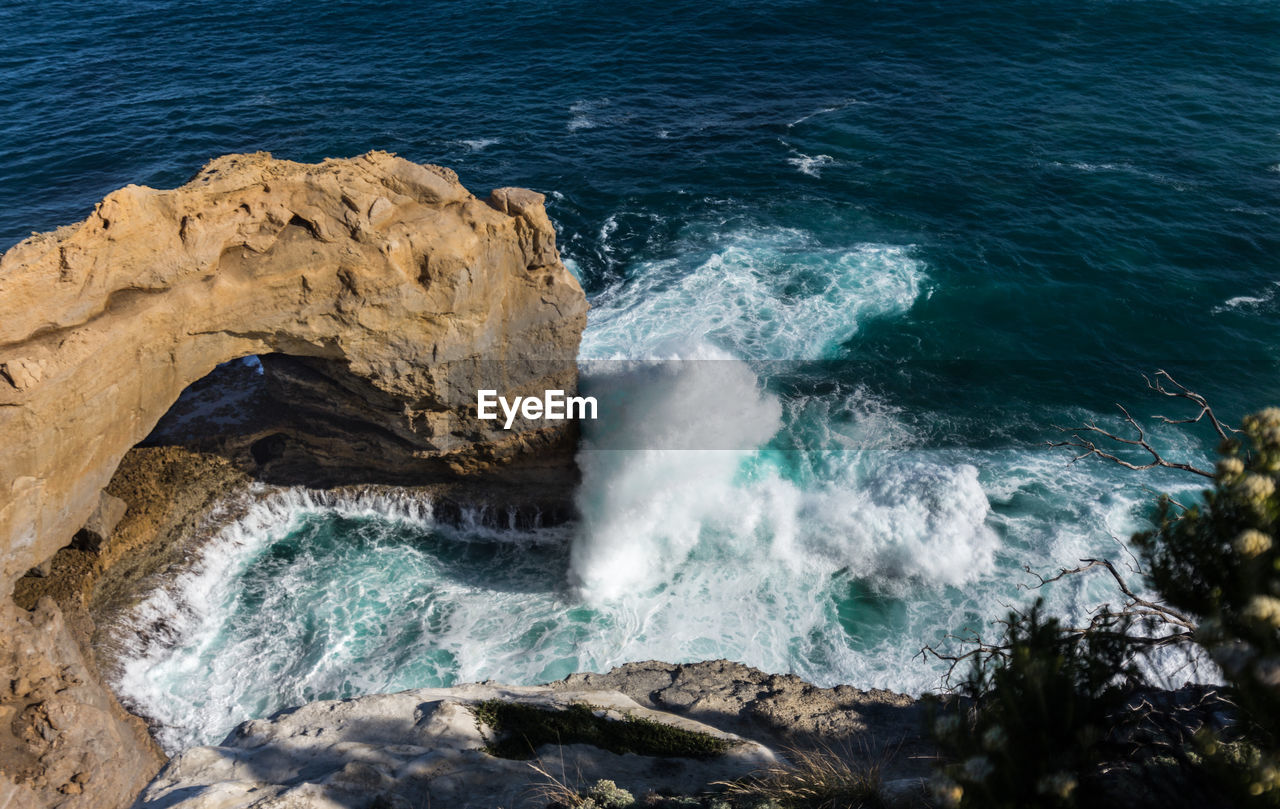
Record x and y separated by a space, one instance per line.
394 292
64 740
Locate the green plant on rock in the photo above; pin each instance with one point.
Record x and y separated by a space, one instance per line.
819 778
1219 561
516 730
606 795
1032 721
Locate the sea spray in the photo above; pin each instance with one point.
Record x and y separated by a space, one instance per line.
758 293
664 466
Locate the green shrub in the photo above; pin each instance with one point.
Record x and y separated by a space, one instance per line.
1219 561
1041 719
1032 719
517 730
606 795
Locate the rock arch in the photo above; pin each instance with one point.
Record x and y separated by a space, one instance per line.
393 292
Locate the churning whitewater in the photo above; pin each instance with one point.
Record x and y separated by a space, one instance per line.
727 511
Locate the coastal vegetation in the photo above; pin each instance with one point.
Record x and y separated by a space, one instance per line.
1057 715
517 730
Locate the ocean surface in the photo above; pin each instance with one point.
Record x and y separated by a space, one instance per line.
883 247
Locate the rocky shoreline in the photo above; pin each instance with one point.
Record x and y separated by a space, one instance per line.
178 497
432 747
429 747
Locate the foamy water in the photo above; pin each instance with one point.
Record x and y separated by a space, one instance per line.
725 512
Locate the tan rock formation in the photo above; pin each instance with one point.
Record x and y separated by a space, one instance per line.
65 741
382 294
394 291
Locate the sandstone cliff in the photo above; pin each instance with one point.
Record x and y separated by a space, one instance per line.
380 294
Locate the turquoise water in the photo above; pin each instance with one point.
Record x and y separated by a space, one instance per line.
882 246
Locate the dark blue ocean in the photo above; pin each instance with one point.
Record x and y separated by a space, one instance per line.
955 225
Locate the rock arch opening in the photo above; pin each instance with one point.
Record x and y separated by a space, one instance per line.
292 420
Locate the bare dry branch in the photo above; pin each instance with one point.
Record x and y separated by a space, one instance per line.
1106 620
1135 604
977 648
1088 447
1084 439
1183 392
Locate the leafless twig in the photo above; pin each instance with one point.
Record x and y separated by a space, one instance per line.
1105 620
1088 447
1133 605
1084 438
1182 392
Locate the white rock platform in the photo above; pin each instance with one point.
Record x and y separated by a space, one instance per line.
422 749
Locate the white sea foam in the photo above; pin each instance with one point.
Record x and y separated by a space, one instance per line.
1125 167
585 114
1242 300
1248 302
811 165
605 235
697 485
693 425
188 611
684 423
1092 167
824 111
770 293
480 144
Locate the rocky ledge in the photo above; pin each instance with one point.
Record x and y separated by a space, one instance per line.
433 747
449 747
